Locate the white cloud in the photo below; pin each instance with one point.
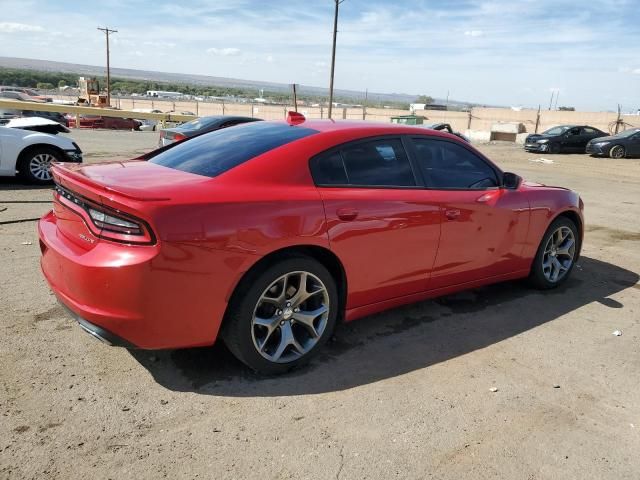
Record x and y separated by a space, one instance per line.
225 52
269 58
474 33
636 71
159 44
13 27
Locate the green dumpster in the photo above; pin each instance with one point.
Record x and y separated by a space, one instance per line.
408 119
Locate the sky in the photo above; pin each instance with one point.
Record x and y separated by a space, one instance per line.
511 53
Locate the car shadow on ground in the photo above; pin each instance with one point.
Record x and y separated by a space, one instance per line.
17 183
398 341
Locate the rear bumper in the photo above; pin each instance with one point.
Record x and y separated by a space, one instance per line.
142 296
96 331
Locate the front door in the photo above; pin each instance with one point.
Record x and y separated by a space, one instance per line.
484 227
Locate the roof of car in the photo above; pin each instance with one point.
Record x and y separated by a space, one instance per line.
334 125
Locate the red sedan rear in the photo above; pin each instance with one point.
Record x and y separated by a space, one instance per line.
266 234
109 123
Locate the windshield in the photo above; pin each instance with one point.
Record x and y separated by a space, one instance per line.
214 153
556 130
628 133
199 123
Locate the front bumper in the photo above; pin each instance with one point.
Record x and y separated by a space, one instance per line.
592 149
536 147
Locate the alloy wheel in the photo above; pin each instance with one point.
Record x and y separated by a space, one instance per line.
40 164
559 253
290 317
617 152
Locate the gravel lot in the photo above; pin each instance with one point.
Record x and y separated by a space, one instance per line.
403 394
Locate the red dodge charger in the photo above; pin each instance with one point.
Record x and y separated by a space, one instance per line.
268 233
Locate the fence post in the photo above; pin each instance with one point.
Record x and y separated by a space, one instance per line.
344 113
153 107
223 108
197 113
364 112
469 119
537 120
321 112
252 110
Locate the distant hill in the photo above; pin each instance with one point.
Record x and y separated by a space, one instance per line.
203 80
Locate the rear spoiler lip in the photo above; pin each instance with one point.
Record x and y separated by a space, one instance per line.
61 171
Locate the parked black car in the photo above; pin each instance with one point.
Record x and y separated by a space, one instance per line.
445 127
624 144
199 126
565 138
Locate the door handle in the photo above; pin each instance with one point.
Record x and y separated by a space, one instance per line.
452 214
347 214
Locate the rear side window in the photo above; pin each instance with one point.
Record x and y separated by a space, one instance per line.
589 131
375 163
214 153
446 165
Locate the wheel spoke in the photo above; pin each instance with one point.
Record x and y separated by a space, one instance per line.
564 249
308 319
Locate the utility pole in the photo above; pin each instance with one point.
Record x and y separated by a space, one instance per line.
333 54
108 31
295 97
556 104
551 101
364 107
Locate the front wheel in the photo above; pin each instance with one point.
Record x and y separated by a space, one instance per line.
35 164
279 319
556 254
554 148
617 152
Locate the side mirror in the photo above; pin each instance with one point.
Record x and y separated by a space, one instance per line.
511 181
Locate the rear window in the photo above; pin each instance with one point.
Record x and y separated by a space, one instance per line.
214 153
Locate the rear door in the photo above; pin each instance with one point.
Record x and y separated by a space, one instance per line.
483 226
382 224
589 133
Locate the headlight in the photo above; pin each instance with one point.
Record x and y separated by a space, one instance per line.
601 144
544 140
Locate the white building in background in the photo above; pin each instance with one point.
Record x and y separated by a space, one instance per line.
164 94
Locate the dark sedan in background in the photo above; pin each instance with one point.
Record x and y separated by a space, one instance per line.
624 144
563 139
199 126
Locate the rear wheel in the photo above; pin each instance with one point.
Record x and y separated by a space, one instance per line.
617 152
35 164
280 318
556 255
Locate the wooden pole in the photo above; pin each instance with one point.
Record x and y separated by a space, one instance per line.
107 31
333 55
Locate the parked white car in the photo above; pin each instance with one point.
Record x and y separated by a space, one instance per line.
27 152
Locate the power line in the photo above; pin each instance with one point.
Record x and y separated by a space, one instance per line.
107 31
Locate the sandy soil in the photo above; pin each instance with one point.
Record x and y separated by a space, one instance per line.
404 394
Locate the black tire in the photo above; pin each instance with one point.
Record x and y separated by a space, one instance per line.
554 148
537 277
617 152
33 161
238 331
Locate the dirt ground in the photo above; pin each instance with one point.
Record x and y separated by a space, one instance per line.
403 394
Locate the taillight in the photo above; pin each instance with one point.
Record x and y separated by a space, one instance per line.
114 223
179 136
108 223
